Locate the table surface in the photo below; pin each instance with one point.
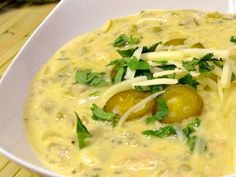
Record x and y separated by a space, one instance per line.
17 22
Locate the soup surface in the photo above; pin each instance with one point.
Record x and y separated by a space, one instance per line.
163 107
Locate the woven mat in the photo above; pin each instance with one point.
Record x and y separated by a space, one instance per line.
17 22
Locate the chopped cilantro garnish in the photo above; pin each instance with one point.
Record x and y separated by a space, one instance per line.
192 127
127 52
233 77
188 79
82 132
190 65
119 75
202 63
123 40
85 76
218 63
204 66
191 142
160 114
189 131
135 64
119 70
100 115
162 132
233 39
152 48
166 66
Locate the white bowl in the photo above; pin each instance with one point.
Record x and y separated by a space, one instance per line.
69 19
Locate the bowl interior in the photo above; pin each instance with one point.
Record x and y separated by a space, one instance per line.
69 19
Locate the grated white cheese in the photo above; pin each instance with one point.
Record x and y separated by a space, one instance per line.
122 86
194 73
131 73
179 55
137 107
226 74
180 133
155 82
168 72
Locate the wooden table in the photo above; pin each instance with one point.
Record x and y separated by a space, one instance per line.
17 22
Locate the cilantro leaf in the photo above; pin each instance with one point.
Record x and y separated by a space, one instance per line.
192 127
85 76
233 39
204 66
127 52
233 77
82 132
160 114
123 40
162 132
119 75
188 79
207 57
135 64
166 66
191 142
202 63
100 115
152 48
190 65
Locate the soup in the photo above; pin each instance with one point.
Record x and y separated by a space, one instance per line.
150 94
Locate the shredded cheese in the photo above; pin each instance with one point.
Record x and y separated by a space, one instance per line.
168 72
180 133
137 107
122 86
155 82
131 73
179 55
226 74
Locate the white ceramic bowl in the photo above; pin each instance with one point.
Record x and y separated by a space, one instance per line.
69 19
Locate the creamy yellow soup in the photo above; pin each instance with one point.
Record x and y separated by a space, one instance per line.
123 150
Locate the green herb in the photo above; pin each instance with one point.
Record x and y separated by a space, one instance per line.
233 39
120 62
233 77
160 114
218 63
85 76
162 132
128 52
190 65
204 66
152 48
188 79
123 40
192 127
191 142
202 63
100 115
119 75
135 64
166 66
82 132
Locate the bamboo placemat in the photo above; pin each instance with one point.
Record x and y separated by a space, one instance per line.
17 22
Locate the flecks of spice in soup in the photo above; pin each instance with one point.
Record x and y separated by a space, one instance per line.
49 115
